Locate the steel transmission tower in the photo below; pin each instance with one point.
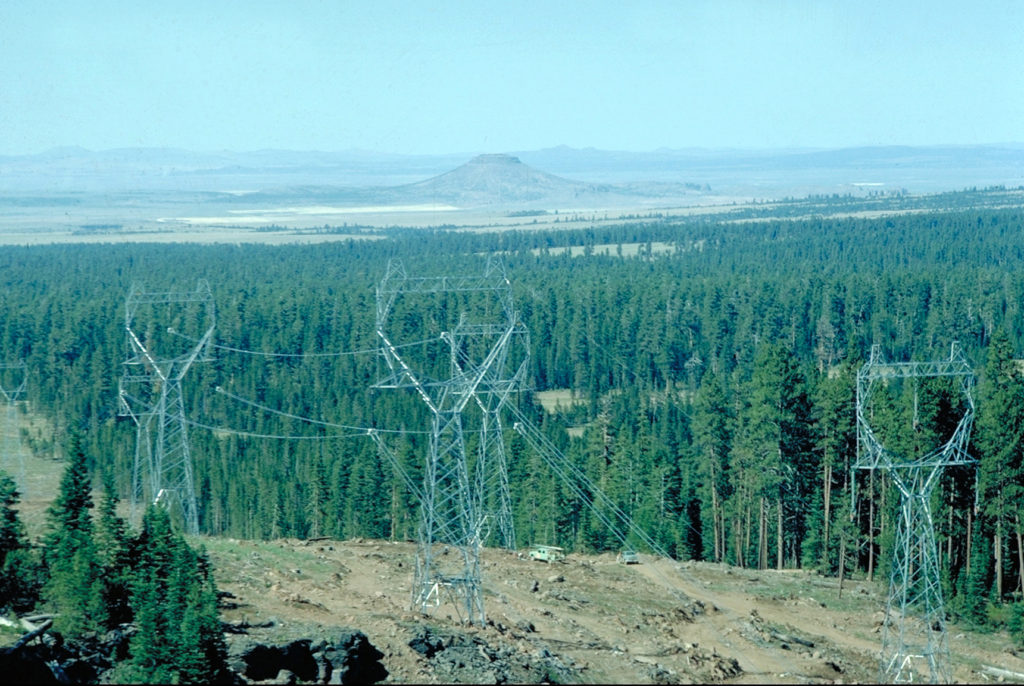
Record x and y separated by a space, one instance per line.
13 378
467 361
150 393
502 377
915 646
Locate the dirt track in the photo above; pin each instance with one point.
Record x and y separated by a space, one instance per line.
660 621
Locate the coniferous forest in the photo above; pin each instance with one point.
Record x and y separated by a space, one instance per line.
710 378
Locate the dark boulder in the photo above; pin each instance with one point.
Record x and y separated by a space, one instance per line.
354 660
351 659
426 643
264 662
26 665
299 660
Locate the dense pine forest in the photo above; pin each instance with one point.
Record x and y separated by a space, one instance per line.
710 364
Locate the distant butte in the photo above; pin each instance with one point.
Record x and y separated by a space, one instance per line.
498 179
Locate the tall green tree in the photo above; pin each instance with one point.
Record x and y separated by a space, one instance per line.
973 597
74 585
115 557
712 429
773 452
836 446
174 599
999 441
18 570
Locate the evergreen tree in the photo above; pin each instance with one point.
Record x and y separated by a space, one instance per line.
74 585
845 538
320 498
367 508
712 428
772 454
69 514
999 440
115 558
18 571
836 445
973 597
174 599
12 531
1015 625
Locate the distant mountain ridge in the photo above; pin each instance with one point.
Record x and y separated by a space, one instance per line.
537 178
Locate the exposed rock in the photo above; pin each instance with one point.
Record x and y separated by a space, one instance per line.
264 662
26 665
426 643
354 660
261 662
299 660
525 626
285 678
52 660
462 658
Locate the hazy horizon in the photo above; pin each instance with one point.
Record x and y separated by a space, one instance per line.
467 77
471 153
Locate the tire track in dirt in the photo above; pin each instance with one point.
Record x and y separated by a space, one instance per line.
736 624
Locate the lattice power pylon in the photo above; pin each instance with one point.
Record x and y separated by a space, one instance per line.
502 377
150 393
467 361
13 379
915 646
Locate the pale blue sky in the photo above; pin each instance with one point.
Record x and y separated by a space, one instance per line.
422 77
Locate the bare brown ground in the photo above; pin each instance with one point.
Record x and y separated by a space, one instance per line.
659 621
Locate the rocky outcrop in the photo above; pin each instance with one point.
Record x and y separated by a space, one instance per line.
455 657
42 657
45 658
354 660
348 659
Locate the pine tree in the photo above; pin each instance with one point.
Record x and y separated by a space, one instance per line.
999 440
367 509
836 445
712 428
114 557
18 571
319 501
69 514
973 597
844 541
1015 624
12 531
175 604
74 585
772 454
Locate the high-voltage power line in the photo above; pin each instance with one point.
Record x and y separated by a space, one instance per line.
915 646
477 359
150 393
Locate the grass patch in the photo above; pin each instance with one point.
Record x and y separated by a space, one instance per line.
556 399
226 552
